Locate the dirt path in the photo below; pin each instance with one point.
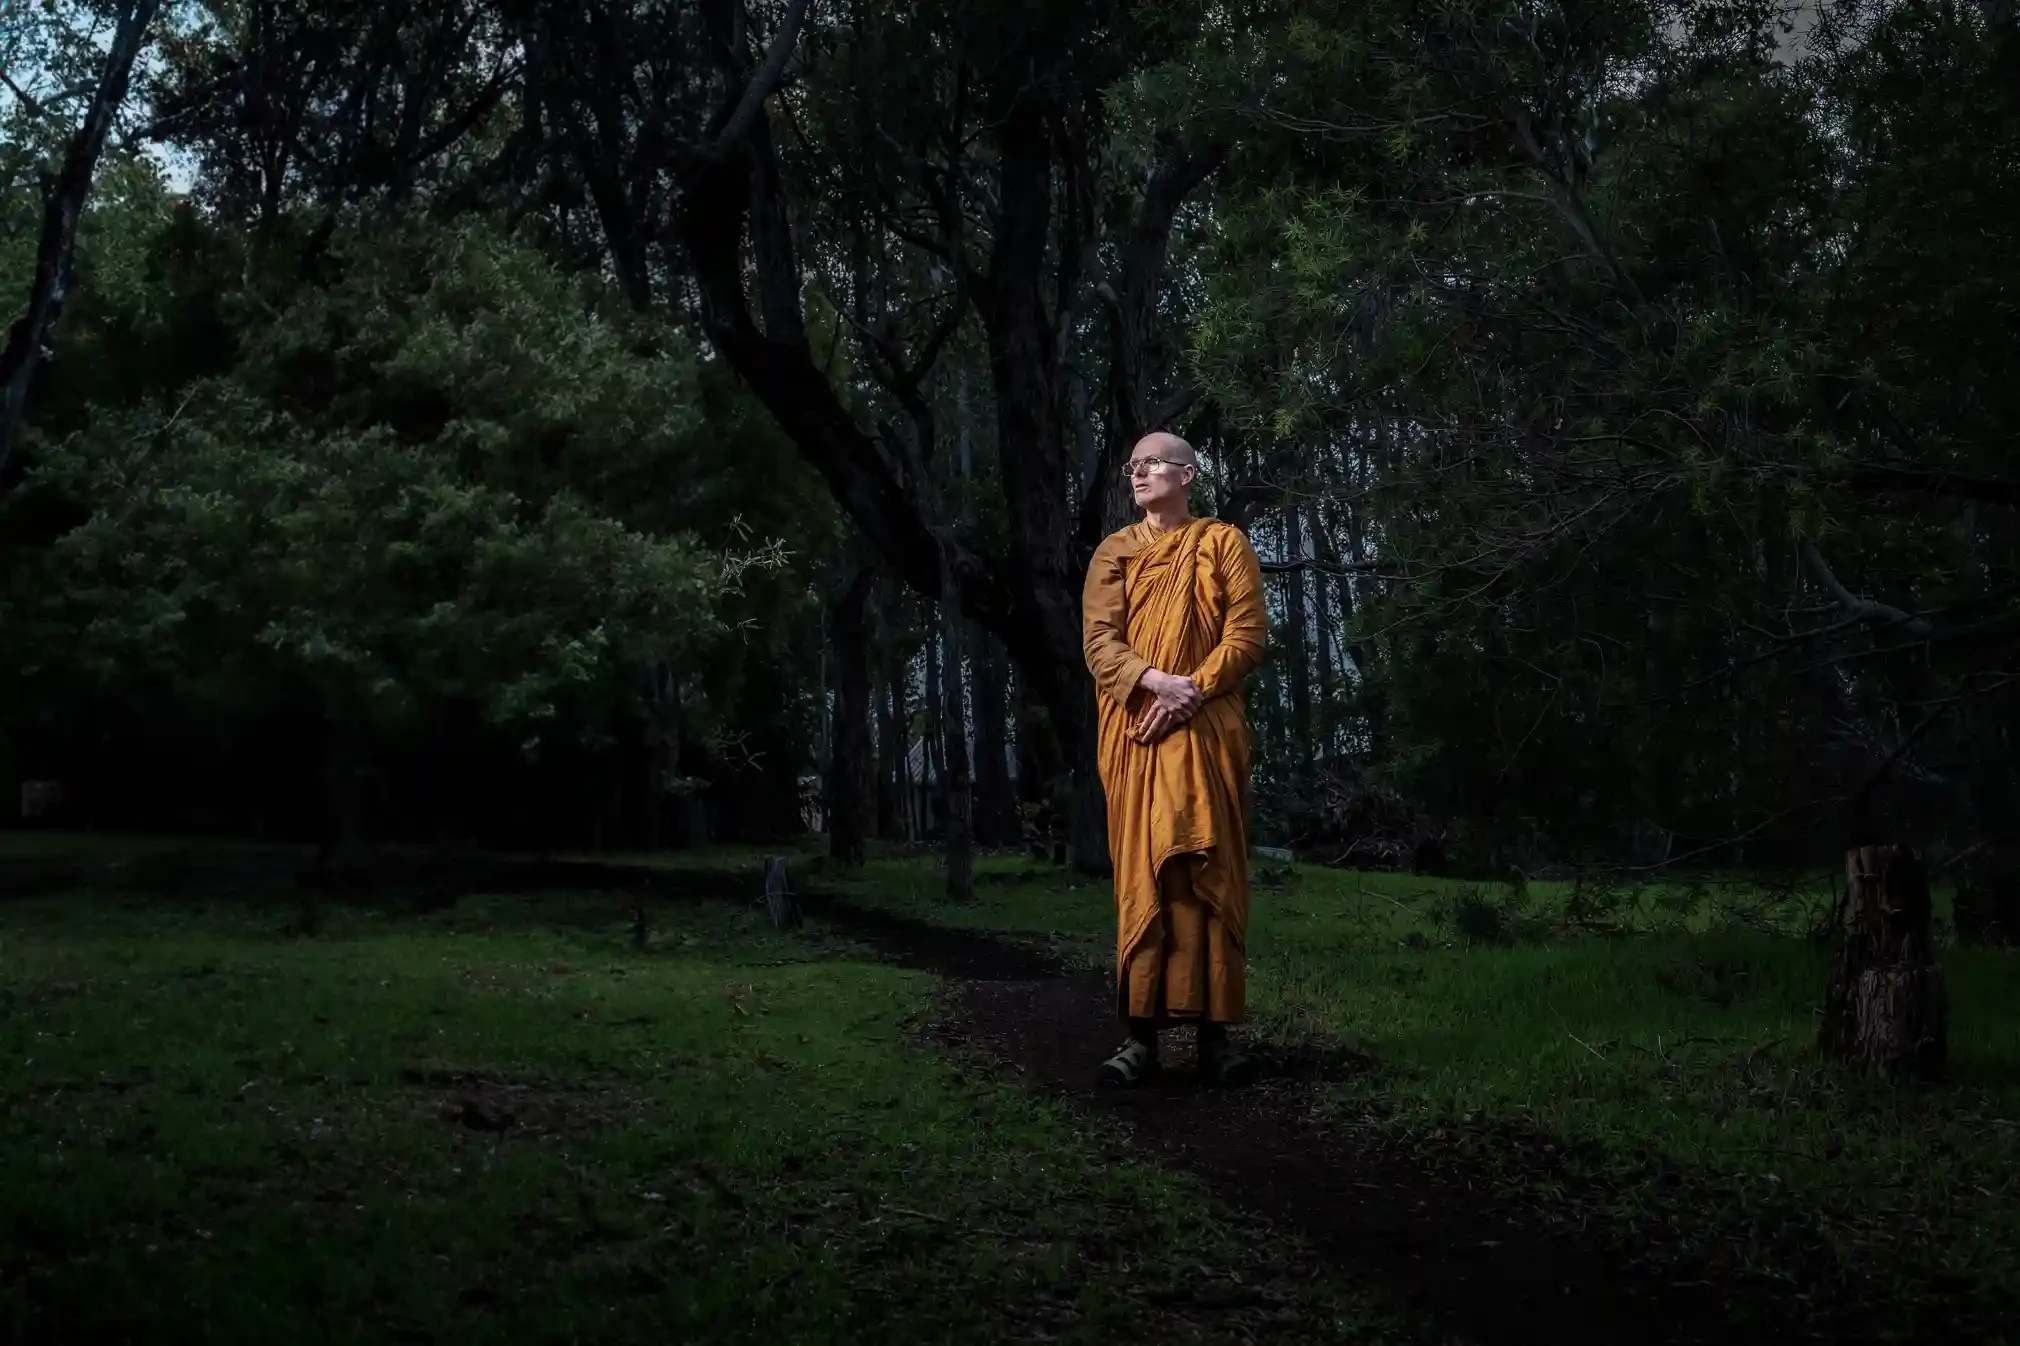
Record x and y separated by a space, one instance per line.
1425 1222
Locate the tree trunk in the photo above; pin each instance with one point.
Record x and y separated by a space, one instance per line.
62 210
1089 804
849 786
887 767
662 758
1295 646
1327 708
901 750
1884 1009
995 809
935 738
1037 768
956 794
733 217
781 903
1356 597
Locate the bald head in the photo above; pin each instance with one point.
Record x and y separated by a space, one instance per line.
1160 472
1163 444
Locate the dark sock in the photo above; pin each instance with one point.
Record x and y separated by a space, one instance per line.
1145 1031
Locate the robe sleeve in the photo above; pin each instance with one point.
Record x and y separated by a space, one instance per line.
1104 626
1245 630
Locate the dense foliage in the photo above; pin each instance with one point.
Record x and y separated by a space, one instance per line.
1655 351
1615 393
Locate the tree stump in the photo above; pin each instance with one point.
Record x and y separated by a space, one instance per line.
780 900
1884 1009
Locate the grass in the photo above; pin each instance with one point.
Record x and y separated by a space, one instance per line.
742 1119
495 1121
1679 1044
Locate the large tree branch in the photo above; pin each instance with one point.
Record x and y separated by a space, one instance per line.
760 85
62 208
1175 406
1323 567
1133 298
28 100
1863 830
905 377
459 124
1248 500
1564 197
1855 607
1133 407
718 202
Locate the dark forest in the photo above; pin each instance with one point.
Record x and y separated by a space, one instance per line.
541 659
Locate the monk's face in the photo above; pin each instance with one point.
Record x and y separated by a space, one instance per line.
1161 469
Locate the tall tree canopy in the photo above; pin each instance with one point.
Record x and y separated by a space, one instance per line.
1614 391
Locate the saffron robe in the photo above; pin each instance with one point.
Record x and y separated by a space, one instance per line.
1186 600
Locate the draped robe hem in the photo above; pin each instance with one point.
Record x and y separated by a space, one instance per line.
1148 925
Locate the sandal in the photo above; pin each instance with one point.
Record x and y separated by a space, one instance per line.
1133 1063
1224 1068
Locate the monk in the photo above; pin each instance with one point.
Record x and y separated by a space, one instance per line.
1172 619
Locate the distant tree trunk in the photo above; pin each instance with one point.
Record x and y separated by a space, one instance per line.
1295 641
1884 1008
901 750
687 802
995 809
1322 605
1356 594
850 789
887 766
1037 767
954 751
936 730
661 758
1087 803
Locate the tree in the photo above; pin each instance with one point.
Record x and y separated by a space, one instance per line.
419 487
63 198
1002 202
1620 325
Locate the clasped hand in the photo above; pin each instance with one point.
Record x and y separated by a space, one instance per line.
1175 699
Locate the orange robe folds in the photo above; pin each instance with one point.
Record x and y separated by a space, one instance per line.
1188 600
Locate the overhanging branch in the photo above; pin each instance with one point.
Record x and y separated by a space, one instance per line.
1248 500
761 84
1313 563
1857 608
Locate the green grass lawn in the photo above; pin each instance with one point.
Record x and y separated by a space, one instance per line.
216 1133
736 1134
1683 1042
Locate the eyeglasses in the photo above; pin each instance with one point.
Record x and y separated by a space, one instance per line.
1140 467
